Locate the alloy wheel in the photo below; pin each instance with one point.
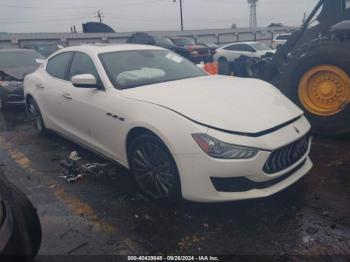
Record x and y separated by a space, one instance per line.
153 170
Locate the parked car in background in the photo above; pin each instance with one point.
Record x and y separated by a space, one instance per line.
198 53
231 52
181 132
157 40
280 40
14 65
211 45
45 49
20 228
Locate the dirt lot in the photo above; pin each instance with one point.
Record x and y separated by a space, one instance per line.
105 214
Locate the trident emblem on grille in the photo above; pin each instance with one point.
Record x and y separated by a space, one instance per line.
297 130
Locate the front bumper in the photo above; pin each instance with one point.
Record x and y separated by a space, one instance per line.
12 95
198 172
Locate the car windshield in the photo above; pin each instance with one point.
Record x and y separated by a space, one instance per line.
163 41
131 69
13 59
260 46
183 41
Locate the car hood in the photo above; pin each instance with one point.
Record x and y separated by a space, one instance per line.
227 103
19 72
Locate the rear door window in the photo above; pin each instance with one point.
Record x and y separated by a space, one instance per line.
58 66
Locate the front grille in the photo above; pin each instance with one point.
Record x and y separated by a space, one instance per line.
284 157
242 184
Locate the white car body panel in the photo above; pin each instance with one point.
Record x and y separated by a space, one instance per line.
174 111
232 56
222 102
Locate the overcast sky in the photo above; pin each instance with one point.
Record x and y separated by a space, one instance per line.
132 15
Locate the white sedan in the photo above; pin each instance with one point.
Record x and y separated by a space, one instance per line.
181 132
232 52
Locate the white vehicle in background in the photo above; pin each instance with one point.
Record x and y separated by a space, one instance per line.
181 132
232 52
280 40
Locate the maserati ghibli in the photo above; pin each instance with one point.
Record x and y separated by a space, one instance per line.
181 132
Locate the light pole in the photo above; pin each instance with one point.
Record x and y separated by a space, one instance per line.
181 15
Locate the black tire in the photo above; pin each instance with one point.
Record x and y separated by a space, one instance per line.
323 51
154 169
35 115
222 60
31 218
224 66
26 235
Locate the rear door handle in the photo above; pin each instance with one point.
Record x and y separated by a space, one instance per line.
67 96
40 85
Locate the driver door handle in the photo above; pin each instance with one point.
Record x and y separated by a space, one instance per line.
67 96
40 85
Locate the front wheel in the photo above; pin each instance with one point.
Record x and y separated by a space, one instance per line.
36 117
154 169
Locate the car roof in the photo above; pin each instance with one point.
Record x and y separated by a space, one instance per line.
106 48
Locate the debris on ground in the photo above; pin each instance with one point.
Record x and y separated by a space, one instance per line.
73 170
307 239
311 230
74 156
336 163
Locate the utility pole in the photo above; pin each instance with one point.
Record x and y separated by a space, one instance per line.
100 15
181 14
253 21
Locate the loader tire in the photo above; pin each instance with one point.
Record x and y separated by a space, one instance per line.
316 78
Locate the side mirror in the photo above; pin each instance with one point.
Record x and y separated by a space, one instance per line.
85 81
39 61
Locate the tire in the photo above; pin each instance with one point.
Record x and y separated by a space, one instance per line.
224 66
154 169
222 60
26 235
324 51
31 219
36 117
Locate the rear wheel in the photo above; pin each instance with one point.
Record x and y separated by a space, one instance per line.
316 78
35 115
154 169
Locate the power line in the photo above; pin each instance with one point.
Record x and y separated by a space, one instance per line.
78 7
44 20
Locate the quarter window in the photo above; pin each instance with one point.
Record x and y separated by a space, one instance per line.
58 65
82 64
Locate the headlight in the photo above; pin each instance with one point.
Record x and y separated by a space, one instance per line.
9 83
221 150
